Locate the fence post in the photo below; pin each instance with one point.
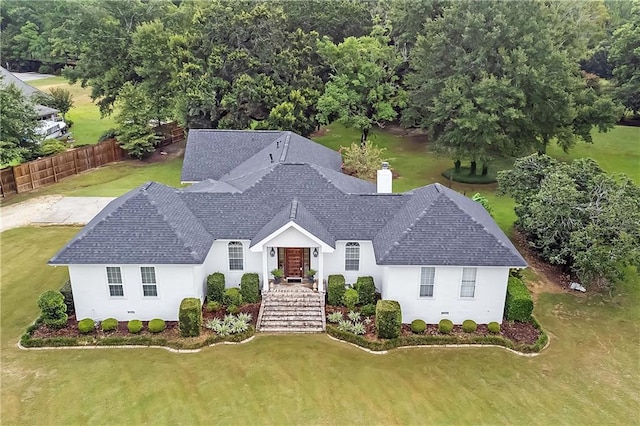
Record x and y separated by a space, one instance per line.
53 166
31 176
75 161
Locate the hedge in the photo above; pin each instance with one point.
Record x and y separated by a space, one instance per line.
469 326
494 327
366 290
418 326
335 290
190 317
215 287
445 326
67 293
86 325
368 310
388 319
232 296
156 325
350 298
109 324
250 288
134 326
519 304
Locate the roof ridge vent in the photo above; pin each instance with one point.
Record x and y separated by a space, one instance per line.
294 209
285 148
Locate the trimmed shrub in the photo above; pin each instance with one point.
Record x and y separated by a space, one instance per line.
418 326
107 134
54 310
190 316
109 324
368 310
156 325
366 290
493 327
66 291
215 287
232 309
86 325
336 289
445 326
250 288
350 298
469 326
213 306
388 319
232 296
134 326
519 304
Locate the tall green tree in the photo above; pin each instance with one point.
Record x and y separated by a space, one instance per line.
18 123
58 98
363 90
135 112
488 80
625 56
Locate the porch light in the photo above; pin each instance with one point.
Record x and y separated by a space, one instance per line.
272 253
315 252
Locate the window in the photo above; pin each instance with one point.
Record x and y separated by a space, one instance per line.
235 256
352 257
149 288
468 286
427 282
114 278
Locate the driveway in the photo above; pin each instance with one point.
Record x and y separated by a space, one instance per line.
30 76
52 210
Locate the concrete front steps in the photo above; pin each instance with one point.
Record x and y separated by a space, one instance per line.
292 309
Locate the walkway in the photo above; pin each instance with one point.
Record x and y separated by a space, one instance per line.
292 309
52 210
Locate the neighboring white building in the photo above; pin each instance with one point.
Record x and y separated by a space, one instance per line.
265 200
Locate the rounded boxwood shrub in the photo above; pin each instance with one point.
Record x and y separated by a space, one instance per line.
388 319
366 290
335 289
250 288
109 324
368 310
86 325
53 308
232 296
190 316
350 298
445 326
213 306
134 326
215 287
232 309
469 326
494 327
156 325
418 326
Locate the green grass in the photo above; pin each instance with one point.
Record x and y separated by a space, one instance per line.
589 375
109 181
88 126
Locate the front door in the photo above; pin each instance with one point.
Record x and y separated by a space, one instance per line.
293 262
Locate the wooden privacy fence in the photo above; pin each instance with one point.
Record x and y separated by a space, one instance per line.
45 171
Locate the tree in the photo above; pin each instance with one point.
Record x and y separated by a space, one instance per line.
488 80
18 123
58 98
576 215
295 114
625 56
135 135
363 89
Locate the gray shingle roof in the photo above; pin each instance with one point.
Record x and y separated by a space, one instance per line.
432 225
150 224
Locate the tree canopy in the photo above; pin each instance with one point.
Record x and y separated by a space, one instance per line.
18 123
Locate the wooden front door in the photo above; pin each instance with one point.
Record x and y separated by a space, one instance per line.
293 262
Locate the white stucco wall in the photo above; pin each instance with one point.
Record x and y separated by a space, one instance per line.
218 261
334 263
92 300
403 284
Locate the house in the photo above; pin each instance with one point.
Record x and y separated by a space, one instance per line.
50 124
262 200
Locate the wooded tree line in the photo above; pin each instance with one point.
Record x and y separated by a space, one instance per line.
486 79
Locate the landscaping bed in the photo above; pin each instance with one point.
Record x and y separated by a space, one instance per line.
521 336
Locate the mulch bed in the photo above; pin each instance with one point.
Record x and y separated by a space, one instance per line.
515 331
171 332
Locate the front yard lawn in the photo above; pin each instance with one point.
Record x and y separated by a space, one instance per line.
589 374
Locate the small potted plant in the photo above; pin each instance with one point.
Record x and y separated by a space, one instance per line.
311 273
277 275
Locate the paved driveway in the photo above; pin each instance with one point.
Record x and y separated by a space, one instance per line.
52 210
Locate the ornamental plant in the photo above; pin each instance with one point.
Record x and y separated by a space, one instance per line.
388 319
53 309
190 317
